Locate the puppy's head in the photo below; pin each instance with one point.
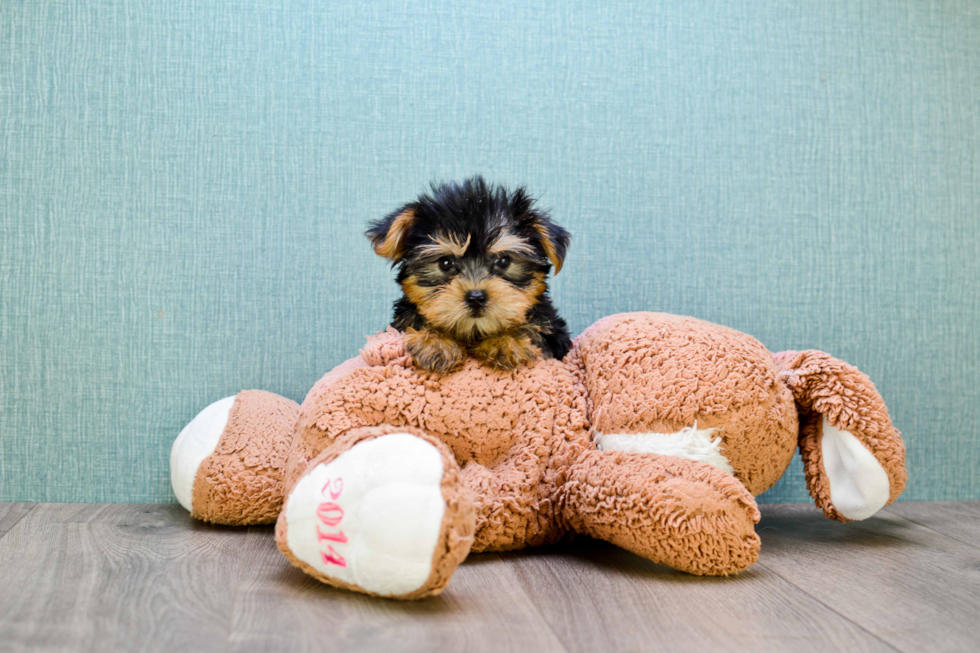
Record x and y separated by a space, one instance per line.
471 257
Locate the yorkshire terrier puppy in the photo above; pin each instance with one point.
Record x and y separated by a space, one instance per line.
472 262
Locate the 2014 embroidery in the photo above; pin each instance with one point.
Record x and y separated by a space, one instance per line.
330 514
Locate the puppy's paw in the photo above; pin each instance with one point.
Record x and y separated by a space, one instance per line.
507 351
433 352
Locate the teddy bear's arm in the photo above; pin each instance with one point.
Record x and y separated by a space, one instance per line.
682 513
853 457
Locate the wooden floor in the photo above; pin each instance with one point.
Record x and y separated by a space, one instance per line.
83 577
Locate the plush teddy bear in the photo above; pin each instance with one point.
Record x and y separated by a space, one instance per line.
654 433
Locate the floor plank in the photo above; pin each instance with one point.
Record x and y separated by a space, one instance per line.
959 520
116 578
601 598
911 586
149 578
11 514
483 609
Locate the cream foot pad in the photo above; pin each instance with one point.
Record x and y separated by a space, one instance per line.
372 517
196 442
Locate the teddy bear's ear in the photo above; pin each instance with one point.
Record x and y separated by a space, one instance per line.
390 234
553 238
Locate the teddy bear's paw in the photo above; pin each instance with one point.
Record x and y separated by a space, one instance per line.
375 519
686 514
853 457
226 466
859 485
196 442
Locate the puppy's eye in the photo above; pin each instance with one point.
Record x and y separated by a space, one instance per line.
446 263
502 263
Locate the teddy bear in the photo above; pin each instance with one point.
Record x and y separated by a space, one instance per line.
654 433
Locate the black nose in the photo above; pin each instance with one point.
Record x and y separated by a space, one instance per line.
476 299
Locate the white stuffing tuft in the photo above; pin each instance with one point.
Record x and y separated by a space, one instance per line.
690 442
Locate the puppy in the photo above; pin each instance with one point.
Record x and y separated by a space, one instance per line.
472 263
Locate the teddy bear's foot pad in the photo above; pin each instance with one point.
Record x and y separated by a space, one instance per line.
371 519
196 442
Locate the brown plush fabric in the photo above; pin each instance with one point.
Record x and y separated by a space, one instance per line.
827 387
522 468
519 434
513 433
455 534
653 372
240 483
689 515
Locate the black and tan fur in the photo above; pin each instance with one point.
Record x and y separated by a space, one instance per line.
467 243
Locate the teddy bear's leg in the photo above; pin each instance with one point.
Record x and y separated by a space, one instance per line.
678 512
382 511
227 465
510 512
853 457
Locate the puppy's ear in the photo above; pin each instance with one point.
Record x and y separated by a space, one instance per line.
389 235
554 240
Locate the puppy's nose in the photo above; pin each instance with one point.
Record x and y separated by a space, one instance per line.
476 299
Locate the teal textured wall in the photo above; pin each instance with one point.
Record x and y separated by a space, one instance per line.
183 188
